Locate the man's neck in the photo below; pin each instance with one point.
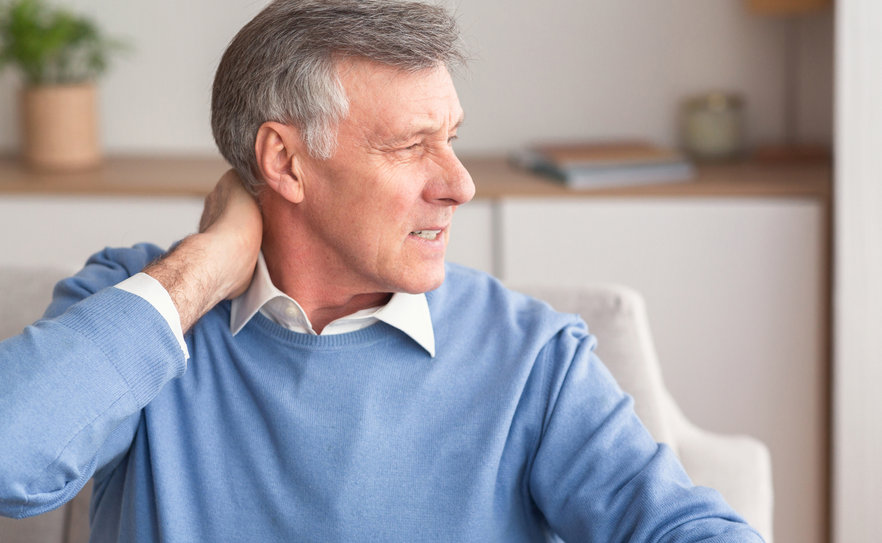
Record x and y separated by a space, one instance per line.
298 270
321 298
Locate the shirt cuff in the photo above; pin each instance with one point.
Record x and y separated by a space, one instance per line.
155 294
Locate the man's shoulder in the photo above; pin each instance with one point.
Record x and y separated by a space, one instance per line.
467 291
465 286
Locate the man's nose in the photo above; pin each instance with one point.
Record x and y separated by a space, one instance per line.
453 184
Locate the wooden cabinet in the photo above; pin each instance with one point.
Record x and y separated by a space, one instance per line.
736 300
786 7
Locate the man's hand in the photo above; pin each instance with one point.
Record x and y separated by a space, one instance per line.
218 262
231 215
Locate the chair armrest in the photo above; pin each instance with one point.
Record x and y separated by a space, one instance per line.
78 516
739 467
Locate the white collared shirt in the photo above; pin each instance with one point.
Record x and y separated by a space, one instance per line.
406 312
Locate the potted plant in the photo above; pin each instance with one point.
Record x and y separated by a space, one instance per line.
59 55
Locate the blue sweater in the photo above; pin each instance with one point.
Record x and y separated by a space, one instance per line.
512 430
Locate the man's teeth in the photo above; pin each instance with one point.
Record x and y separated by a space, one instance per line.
426 234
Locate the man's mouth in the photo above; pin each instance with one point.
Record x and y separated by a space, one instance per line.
426 234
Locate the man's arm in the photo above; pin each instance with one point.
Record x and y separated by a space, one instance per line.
597 472
69 383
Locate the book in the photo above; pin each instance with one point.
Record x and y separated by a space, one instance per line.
607 164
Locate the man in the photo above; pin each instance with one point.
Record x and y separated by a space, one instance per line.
355 388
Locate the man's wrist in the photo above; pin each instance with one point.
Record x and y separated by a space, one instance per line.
192 274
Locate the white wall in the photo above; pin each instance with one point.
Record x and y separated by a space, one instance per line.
551 69
857 468
156 97
596 68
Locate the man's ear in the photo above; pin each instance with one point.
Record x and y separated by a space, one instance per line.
279 157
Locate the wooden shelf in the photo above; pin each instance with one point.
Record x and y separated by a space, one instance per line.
494 178
119 176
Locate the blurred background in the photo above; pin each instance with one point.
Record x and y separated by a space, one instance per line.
736 272
570 69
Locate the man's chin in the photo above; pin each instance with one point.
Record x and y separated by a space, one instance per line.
426 283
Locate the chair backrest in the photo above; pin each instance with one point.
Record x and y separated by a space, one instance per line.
24 295
616 315
738 466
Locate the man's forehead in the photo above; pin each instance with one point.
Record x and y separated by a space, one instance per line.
430 124
403 126
422 101
358 76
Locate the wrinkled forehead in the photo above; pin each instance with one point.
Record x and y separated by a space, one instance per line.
393 100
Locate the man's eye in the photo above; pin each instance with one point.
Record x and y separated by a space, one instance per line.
411 147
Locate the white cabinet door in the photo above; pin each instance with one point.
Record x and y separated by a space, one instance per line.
472 237
64 230
734 289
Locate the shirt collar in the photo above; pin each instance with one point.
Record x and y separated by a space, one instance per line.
406 312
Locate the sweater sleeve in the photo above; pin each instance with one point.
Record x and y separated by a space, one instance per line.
599 476
69 381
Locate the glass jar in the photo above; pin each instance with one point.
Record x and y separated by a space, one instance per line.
712 126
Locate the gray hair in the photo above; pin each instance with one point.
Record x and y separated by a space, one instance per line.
281 67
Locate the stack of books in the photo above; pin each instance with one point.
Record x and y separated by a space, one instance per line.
606 164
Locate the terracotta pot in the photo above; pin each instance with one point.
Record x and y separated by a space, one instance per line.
60 127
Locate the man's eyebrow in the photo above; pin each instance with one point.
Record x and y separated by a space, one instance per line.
418 130
431 128
460 122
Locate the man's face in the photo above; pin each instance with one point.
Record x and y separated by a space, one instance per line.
380 209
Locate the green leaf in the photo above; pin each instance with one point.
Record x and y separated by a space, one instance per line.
52 45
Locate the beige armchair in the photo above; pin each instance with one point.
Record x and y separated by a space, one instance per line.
739 467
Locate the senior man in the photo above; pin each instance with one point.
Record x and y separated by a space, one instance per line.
352 387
